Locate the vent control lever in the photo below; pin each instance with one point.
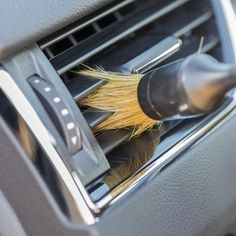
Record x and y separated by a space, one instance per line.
59 112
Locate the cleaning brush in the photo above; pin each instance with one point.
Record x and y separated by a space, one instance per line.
119 96
185 88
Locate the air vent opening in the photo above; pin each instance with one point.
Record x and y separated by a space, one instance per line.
61 46
125 34
84 33
78 32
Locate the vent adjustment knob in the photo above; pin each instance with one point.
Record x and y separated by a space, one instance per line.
59 113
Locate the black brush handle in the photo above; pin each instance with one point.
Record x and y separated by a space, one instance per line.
193 86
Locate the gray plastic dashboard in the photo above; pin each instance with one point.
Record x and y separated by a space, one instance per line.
26 21
193 195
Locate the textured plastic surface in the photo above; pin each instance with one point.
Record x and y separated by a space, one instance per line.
9 222
27 193
26 21
194 195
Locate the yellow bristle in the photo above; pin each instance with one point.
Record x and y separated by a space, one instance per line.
118 95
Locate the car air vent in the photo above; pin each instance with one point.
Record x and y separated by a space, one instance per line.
129 36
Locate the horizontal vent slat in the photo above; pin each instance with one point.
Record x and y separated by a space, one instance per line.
75 55
133 53
109 140
61 35
95 117
82 86
191 22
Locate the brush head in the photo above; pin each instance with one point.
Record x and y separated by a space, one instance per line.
186 88
119 96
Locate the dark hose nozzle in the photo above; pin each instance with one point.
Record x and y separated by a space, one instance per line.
193 86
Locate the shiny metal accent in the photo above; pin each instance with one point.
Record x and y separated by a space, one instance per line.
165 48
97 17
160 57
230 18
45 139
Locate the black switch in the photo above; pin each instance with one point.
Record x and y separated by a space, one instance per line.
59 112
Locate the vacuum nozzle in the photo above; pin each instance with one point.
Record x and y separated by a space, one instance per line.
193 86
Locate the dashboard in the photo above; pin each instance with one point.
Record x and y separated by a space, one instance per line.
55 180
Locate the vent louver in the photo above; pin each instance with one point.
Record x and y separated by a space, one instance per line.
127 31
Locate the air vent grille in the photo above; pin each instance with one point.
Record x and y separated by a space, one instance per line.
77 33
125 31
